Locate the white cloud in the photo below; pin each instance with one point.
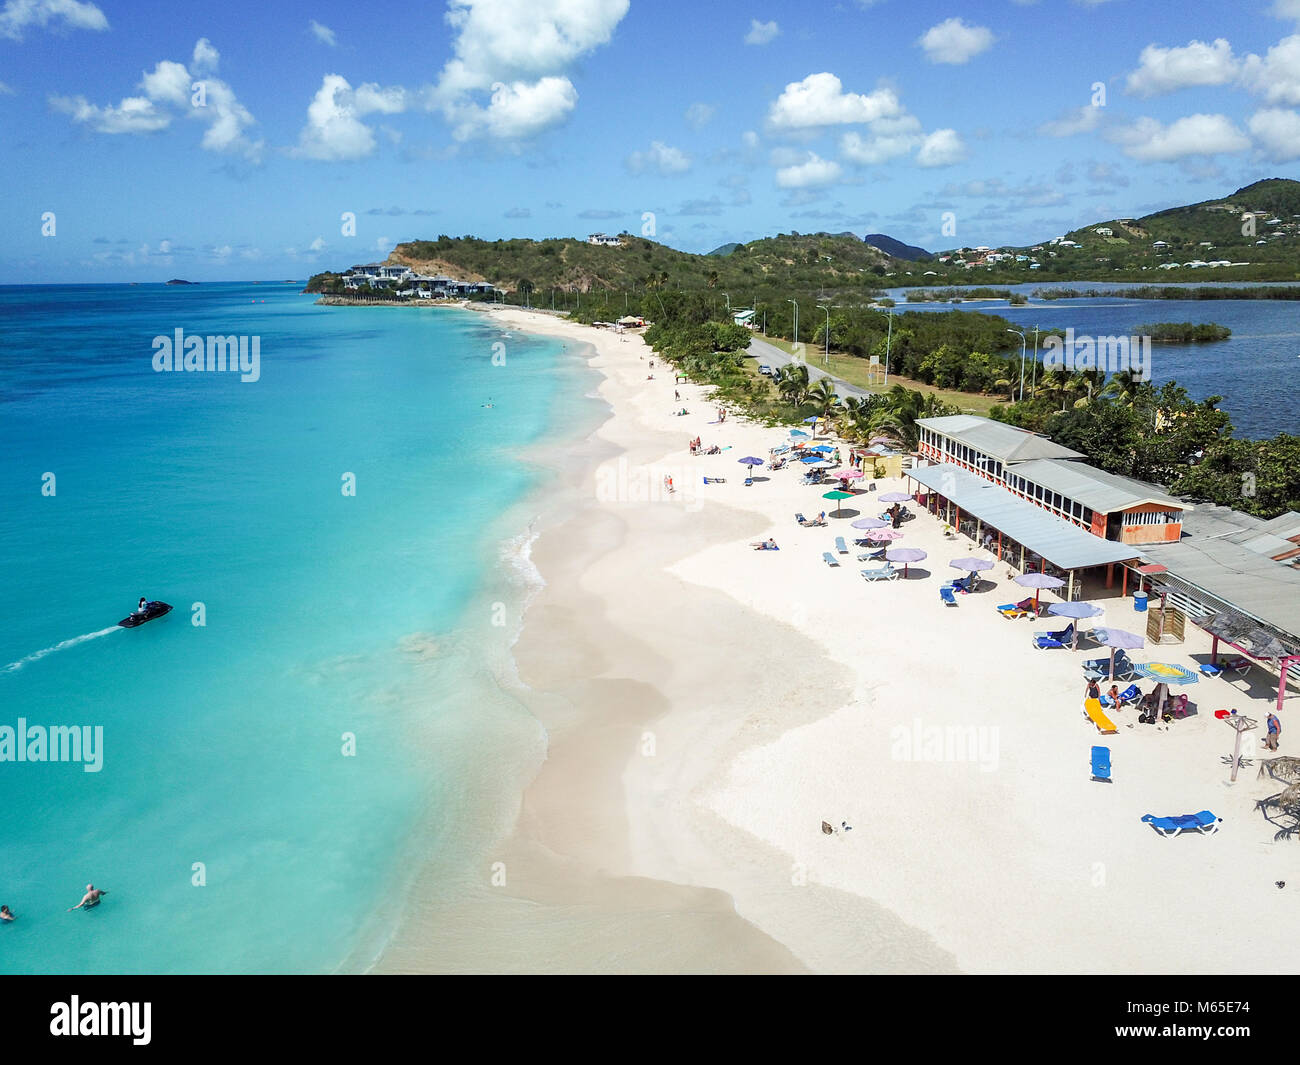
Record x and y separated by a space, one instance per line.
660 157
761 32
749 138
1162 70
1276 76
1286 9
168 94
813 171
889 138
322 33
820 100
318 244
699 115
943 147
135 114
1149 140
18 15
1081 120
517 50
1278 133
954 41
334 129
6 90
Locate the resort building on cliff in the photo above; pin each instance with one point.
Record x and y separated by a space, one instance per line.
604 240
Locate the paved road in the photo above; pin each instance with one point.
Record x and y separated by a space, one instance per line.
770 355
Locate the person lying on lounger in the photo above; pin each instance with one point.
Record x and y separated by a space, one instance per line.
765 545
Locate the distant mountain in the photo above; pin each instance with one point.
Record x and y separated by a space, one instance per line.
897 248
724 249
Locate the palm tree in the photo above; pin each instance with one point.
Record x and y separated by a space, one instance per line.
823 394
1121 387
792 382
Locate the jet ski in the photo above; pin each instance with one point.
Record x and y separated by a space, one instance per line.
151 611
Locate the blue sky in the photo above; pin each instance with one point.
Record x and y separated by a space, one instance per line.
727 121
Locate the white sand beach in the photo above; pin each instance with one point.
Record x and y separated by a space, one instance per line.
708 706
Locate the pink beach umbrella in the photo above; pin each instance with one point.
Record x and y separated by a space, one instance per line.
881 536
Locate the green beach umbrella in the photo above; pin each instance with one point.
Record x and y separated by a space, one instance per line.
837 496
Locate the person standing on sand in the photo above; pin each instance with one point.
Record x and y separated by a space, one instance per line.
1093 690
1274 732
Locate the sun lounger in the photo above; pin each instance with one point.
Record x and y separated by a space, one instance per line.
841 546
1044 640
946 594
964 584
1093 712
887 572
1130 694
1011 610
803 521
748 481
1204 822
873 556
1101 765
1123 667
871 487
830 559
715 480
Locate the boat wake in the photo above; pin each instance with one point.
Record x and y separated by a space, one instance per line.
35 655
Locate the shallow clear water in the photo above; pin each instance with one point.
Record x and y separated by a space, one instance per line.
326 614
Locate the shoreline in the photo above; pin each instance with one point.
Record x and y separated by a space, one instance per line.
708 707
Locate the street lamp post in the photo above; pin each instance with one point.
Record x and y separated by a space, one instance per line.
1022 363
1033 369
889 336
796 322
827 361
728 295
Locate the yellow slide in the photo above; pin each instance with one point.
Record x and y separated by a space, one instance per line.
1093 712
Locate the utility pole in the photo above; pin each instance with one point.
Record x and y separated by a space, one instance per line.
796 321
1022 363
827 360
889 336
1033 382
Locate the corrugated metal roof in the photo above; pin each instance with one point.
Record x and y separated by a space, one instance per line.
1061 543
1002 441
1102 491
1253 583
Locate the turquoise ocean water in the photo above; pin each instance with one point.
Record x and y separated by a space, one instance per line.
326 614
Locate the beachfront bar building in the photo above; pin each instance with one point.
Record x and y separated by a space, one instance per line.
1037 506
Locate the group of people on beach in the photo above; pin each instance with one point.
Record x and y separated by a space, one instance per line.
88 900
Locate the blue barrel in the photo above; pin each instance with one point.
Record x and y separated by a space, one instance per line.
1140 602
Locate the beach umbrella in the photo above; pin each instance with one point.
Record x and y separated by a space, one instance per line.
1166 673
848 475
971 566
1075 610
750 460
1038 581
799 434
837 496
1115 639
905 555
811 421
823 464
826 448
881 535
870 523
810 458
894 497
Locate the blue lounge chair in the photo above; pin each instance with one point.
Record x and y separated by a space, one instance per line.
1123 667
1129 695
715 480
1045 640
830 559
1101 765
887 572
841 546
946 594
873 556
1204 822
964 584
871 487
748 481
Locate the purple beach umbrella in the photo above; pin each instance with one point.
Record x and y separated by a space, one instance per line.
1038 581
1115 639
870 523
905 555
894 497
749 460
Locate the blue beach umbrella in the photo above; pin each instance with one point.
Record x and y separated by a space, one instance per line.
750 460
799 434
811 458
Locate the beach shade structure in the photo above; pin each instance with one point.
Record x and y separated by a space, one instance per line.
1116 639
870 523
750 460
881 536
846 475
798 434
971 566
823 464
894 497
1166 673
1039 581
822 447
810 458
905 555
837 496
1075 610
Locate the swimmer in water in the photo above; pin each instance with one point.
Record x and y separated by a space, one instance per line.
6 914
89 899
